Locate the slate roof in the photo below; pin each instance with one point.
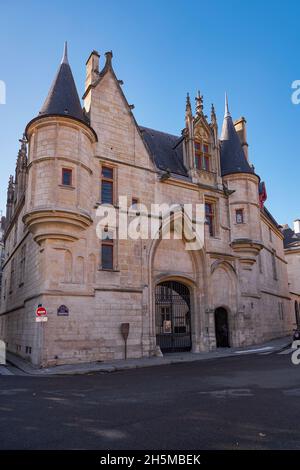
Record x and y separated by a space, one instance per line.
270 217
63 99
166 149
233 159
290 237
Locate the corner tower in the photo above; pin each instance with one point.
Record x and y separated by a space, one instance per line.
241 185
59 163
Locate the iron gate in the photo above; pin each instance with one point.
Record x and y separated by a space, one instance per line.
173 316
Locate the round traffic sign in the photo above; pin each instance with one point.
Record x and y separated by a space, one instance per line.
41 312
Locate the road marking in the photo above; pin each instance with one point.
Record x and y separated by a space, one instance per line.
294 392
286 351
232 393
266 348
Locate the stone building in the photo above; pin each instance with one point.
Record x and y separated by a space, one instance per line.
231 292
2 226
292 254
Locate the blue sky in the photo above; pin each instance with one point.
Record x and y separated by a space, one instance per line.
162 49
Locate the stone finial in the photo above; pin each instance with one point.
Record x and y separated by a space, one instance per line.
10 181
199 103
23 151
213 117
188 107
10 189
227 113
64 59
24 142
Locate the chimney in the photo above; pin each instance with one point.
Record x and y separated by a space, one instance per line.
240 127
92 69
297 226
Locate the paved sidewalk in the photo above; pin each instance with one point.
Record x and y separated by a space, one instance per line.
5 371
270 347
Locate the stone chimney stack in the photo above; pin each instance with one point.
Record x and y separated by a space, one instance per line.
92 69
240 127
297 226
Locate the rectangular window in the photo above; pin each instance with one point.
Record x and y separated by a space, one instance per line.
206 159
206 164
198 155
202 158
107 185
198 162
4 290
22 264
280 311
107 253
239 216
274 267
210 217
66 177
12 276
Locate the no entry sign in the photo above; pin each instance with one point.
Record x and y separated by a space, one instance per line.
41 314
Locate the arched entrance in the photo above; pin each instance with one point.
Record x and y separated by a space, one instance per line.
221 327
173 316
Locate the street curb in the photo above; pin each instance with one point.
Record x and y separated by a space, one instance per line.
283 348
33 371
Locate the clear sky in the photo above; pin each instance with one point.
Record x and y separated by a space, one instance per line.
162 49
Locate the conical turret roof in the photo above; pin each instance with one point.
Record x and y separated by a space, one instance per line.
63 99
233 159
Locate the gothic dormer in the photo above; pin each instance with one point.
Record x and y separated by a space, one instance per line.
202 154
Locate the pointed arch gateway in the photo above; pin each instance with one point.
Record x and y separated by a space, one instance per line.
177 277
173 316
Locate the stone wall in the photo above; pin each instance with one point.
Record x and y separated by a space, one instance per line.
66 270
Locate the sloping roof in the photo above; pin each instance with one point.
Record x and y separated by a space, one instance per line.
166 149
233 159
63 99
290 237
270 217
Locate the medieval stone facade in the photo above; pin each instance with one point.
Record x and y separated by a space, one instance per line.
2 227
292 254
231 292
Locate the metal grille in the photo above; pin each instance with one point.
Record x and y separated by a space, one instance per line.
173 316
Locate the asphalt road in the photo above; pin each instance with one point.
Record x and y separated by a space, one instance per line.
249 402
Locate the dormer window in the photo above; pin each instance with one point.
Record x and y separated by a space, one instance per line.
202 157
